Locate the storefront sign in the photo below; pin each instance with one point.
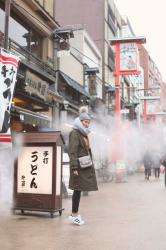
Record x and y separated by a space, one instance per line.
34 174
36 86
8 72
128 56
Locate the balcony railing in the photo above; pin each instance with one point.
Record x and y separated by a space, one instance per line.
29 58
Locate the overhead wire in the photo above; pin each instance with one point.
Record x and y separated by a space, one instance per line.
100 65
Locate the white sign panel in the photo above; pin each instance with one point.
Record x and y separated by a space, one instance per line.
124 111
34 174
120 165
63 53
66 173
8 72
128 56
58 170
150 109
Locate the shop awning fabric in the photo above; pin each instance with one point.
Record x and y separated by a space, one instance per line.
72 83
29 117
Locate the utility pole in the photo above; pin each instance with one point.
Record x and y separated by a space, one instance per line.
6 30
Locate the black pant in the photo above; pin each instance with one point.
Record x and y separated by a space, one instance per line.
76 201
157 172
147 173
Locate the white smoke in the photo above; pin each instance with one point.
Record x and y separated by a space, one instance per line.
6 177
112 139
123 140
8 154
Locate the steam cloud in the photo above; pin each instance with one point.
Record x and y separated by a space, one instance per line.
112 139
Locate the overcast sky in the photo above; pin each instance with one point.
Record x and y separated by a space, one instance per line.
148 18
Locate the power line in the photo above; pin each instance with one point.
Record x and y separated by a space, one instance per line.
78 51
56 34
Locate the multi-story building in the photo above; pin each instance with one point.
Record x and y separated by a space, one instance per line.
152 84
48 82
80 73
31 27
102 21
132 84
84 48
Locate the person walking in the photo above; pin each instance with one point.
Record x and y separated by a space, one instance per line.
82 172
163 162
147 161
156 164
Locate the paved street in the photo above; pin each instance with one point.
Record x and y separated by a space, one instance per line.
121 216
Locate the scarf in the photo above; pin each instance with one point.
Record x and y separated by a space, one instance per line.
79 126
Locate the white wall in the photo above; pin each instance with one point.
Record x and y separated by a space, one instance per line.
89 53
72 67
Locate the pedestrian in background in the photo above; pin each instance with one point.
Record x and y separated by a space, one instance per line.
163 162
82 172
147 161
156 161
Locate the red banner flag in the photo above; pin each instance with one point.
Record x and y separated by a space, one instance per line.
8 73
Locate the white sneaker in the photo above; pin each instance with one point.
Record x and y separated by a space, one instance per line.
77 221
71 217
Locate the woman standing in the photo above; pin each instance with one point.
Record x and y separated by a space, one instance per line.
82 172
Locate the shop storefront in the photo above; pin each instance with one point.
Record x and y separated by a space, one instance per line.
33 102
32 107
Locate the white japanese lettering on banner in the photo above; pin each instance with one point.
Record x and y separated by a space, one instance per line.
8 72
128 56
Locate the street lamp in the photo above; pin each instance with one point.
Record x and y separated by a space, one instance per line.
91 73
110 97
61 42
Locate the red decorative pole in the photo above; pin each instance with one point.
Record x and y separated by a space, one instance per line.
145 111
117 78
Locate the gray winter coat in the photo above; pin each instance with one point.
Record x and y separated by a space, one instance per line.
147 161
86 180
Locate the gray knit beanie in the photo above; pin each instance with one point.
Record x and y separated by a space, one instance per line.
84 116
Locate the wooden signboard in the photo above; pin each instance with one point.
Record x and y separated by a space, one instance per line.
38 173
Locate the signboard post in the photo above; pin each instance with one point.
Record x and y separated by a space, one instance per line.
120 171
38 173
126 60
126 63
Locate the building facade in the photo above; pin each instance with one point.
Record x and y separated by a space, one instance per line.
31 26
152 85
84 48
132 84
102 21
